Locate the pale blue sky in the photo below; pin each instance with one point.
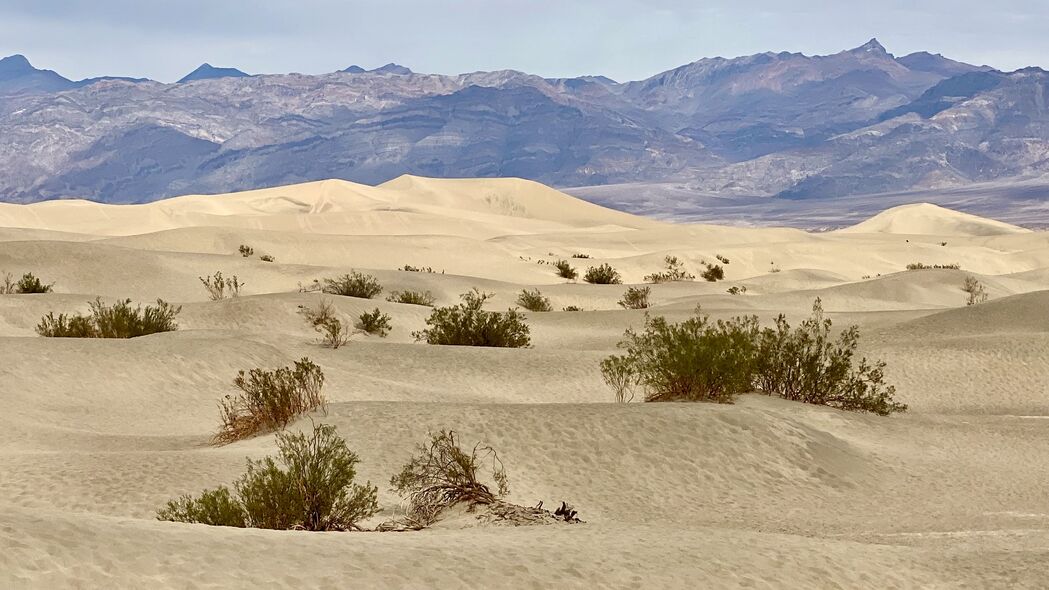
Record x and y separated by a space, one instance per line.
623 39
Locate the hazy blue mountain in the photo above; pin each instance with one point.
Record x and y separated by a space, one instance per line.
392 68
17 75
354 70
207 71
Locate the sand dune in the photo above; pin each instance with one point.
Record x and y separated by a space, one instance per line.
96 434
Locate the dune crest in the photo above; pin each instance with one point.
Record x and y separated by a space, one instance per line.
932 220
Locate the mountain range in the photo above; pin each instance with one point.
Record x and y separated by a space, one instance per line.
783 125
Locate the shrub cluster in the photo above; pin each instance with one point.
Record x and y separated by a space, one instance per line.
698 360
737 290
920 266
412 297
580 256
675 271
426 269
565 270
25 285
975 289
374 322
119 320
635 298
602 275
713 273
267 258
467 324
269 400
245 250
354 284
534 300
310 486
721 259
572 308
324 320
220 287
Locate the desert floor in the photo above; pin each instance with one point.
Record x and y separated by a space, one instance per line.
95 435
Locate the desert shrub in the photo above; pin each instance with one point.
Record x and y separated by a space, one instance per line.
354 284
220 287
721 259
920 266
635 298
565 270
975 289
620 377
572 308
326 321
269 400
246 250
714 272
310 486
412 297
695 360
580 256
467 324
374 322
675 271
533 300
29 284
7 285
410 268
266 258
443 474
602 275
734 290
805 364
118 320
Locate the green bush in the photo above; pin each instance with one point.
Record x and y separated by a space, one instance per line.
219 287
533 300
119 320
310 486
565 270
269 400
324 320
412 297
354 284
443 474
675 271
467 324
602 275
713 273
374 322
695 360
635 298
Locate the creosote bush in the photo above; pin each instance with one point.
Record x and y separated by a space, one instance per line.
354 284
326 321
220 287
737 290
572 308
118 320
28 284
410 297
534 300
635 298
975 289
269 400
579 255
246 250
920 266
374 322
602 275
309 486
713 273
675 271
467 324
565 270
443 474
698 360
267 258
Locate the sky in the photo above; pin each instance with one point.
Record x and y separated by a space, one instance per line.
622 39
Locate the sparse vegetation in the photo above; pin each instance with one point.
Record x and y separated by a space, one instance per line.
7 285
580 256
266 258
602 275
269 400
118 320
721 259
920 266
467 324
426 269
714 272
565 270
572 308
635 298
977 292
28 284
220 287
354 284
533 300
410 297
675 271
737 290
326 321
309 486
619 374
246 251
374 322
443 474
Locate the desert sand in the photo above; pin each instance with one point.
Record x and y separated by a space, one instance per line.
95 435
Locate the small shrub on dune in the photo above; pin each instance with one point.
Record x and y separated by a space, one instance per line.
635 298
572 308
921 266
721 259
246 250
267 258
675 271
7 285
118 320
565 270
467 324
620 377
410 297
582 256
737 290
975 289
309 486
269 400
602 275
354 284
374 322
220 287
443 474
326 321
534 301
713 273
30 284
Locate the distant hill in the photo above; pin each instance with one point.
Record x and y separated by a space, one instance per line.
209 72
